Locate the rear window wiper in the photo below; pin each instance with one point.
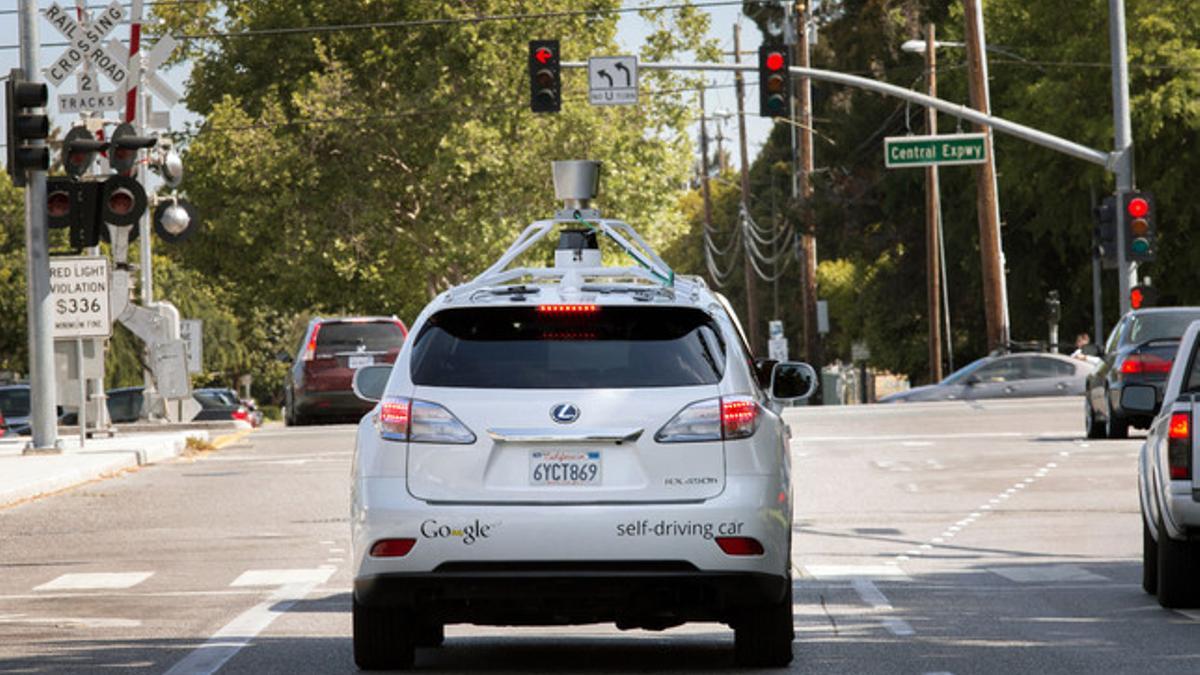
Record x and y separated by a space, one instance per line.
1146 343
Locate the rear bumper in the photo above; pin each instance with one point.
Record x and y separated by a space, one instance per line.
631 594
331 404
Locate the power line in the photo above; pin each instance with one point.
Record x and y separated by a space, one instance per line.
146 3
420 23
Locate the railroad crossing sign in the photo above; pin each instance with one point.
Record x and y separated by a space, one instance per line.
86 45
613 80
907 151
151 61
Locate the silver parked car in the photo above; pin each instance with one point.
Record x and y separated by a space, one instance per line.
1018 375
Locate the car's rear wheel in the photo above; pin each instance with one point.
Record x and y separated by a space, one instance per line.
1177 565
383 638
1091 425
1114 426
763 636
1149 560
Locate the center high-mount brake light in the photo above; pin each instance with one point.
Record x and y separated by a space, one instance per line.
568 309
1179 446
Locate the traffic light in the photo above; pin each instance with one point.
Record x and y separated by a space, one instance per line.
73 204
773 64
1143 296
79 151
125 143
122 201
25 125
1104 234
1139 226
545 77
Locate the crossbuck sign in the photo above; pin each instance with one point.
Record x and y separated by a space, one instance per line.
86 45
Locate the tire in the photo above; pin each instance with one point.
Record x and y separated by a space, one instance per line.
763 637
383 639
429 635
1178 562
289 418
1091 426
1149 560
1114 426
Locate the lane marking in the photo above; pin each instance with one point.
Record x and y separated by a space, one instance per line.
889 570
1190 613
874 597
917 437
288 577
1046 573
96 580
233 636
229 439
74 622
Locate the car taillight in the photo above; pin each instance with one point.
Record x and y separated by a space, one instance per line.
392 548
310 350
1179 446
241 414
740 545
1145 364
713 419
403 419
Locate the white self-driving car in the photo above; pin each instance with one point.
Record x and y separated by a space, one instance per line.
574 444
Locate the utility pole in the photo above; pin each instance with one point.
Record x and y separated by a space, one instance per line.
751 282
40 312
995 301
704 168
1123 140
808 238
933 252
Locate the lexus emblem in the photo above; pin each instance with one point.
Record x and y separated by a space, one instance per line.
564 413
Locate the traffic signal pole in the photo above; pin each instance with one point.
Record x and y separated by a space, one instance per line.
808 236
933 204
43 420
756 344
1123 140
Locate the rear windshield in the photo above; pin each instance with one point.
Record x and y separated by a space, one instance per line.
373 336
1159 326
613 347
14 402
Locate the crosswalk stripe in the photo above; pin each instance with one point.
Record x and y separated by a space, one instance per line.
281 577
94 580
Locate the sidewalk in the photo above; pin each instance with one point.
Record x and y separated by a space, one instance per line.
27 476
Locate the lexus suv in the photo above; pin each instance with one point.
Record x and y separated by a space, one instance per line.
574 444
317 386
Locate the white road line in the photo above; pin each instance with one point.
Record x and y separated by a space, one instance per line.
916 437
853 571
94 580
874 597
1190 613
82 622
233 636
280 577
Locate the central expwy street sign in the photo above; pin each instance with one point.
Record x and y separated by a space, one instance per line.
613 80
907 151
85 44
79 293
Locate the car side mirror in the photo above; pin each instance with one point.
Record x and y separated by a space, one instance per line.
1139 398
370 381
283 356
792 381
972 380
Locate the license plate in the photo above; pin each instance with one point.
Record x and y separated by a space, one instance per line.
564 467
360 361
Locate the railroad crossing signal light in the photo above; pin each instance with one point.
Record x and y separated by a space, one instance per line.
25 125
122 201
73 204
545 77
1143 296
79 151
125 145
1140 235
773 64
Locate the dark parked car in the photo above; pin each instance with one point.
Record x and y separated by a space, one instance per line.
1018 375
125 405
317 386
1139 350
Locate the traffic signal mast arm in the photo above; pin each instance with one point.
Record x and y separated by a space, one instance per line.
1108 160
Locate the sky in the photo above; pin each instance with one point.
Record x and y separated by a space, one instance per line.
632 31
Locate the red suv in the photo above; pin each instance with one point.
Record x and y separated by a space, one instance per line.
318 383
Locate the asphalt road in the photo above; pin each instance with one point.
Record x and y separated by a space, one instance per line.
930 538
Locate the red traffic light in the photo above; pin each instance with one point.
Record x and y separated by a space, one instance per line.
543 55
1136 298
120 202
1138 207
774 61
58 204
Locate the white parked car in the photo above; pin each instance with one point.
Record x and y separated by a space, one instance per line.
1168 485
574 444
